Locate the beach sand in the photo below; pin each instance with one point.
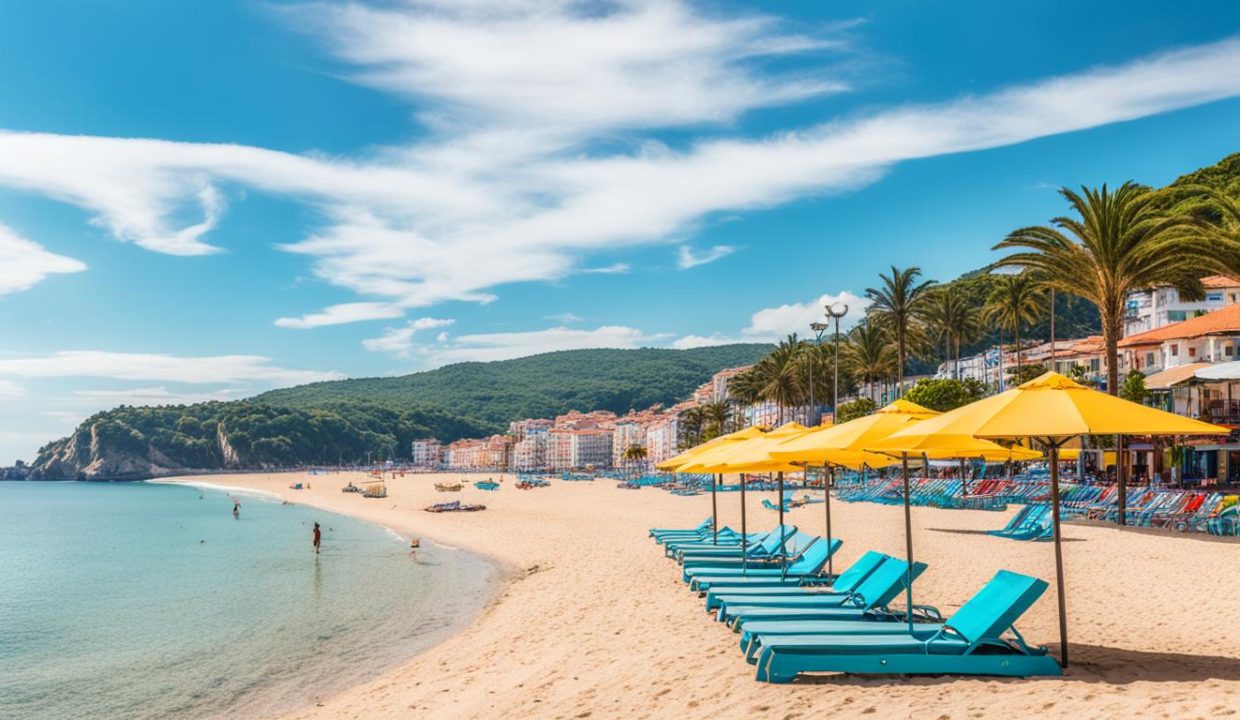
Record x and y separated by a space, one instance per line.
594 621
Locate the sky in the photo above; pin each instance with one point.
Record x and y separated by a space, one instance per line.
210 198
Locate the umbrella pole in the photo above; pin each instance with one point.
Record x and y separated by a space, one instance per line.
964 481
826 491
744 531
714 506
1063 605
908 543
1121 477
783 552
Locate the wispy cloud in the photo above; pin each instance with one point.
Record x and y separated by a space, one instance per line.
159 368
505 346
23 263
686 258
519 176
774 323
399 341
566 318
148 396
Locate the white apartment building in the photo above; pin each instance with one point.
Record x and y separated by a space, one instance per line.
1158 307
427 452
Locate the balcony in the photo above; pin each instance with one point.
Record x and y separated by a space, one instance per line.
1223 412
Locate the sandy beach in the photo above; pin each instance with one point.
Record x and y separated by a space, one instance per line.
594 622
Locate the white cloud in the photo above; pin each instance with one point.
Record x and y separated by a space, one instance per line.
24 263
341 314
612 269
149 396
399 341
686 258
8 388
159 368
505 346
566 318
540 150
777 322
688 342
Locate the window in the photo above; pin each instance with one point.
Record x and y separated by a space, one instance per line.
1177 315
1229 350
1192 352
1149 359
1175 351
1094 365
1214 297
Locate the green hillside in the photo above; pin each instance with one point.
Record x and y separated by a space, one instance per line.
546 385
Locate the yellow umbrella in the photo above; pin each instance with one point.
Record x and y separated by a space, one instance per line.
751 455
673 463
1055 409
845 444
688 457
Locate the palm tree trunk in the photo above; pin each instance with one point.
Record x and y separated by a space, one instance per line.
1017 333
900 370
1111 335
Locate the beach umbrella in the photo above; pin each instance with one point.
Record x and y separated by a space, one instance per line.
845 444
688 457
939 447
751 455
1054 410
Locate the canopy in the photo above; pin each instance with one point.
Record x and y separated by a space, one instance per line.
1171 377
846 443
1220 371
1053 408
753 455
941 447
673 463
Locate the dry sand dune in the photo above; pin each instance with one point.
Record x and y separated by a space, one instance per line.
594 622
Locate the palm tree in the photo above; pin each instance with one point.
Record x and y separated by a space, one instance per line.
867 353
1119 241
716 415
634 454
815 362
1015 302
691 422
897 303
952 319
744 389
781 381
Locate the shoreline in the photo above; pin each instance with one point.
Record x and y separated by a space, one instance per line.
589 620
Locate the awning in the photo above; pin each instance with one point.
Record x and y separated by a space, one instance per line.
1176 375
1219 371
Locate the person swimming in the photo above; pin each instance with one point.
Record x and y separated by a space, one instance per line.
317 537
414 544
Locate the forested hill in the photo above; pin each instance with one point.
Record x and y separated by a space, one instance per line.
351 420
543 385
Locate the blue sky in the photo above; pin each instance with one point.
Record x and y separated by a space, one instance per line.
207 199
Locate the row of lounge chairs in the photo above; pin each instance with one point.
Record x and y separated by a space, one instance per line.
793 618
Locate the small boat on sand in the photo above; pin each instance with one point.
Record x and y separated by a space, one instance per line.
454 506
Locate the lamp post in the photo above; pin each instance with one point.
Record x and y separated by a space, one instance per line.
836 311
819 329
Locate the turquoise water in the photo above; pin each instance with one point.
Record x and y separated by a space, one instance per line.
141 600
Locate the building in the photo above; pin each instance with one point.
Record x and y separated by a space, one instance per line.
530 452
1209 338
591 448
427 453
1158 307
492 453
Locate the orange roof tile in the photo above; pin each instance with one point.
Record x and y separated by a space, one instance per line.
1220 281
1218 322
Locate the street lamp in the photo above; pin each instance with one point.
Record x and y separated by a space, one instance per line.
836 311
819 329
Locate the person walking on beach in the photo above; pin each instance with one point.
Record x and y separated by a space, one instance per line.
317 536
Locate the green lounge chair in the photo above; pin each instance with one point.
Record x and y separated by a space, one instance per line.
969 643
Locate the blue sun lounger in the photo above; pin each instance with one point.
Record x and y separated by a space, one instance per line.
759 545
808 564
970 642
870 599
772 584
659 533
794 547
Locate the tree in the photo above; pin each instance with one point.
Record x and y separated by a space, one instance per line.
1134 387
897 303
691 423
634 454
716 416
1117 242
944 395
855 409
1015 302
781 380
1027 373
952 319
867 353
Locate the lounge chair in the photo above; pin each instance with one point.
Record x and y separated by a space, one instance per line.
869 599
659 533
772 582
969 643
758 544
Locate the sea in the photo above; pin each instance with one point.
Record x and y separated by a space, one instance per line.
146 600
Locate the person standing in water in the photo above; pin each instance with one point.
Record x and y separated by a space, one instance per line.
317 536
236 508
